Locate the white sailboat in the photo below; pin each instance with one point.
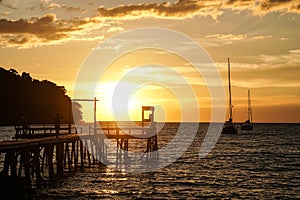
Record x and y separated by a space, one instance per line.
248 125
229 127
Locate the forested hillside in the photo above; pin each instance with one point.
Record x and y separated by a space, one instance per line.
37 101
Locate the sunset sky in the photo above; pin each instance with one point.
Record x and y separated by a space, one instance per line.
51 39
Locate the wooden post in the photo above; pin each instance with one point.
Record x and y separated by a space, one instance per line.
69 158
60 158
49 154
81 153
10 160
95 118
156 147
73 153
36 161
70 115
126 149
76 154
25 153
92 149
87 152
66 153
43 160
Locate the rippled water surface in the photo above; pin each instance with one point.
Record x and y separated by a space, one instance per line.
262 164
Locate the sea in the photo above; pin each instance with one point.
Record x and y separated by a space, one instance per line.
260 164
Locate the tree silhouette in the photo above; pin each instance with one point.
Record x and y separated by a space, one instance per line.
37 101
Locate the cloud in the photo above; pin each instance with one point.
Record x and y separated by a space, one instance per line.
115 28
53 6
292 58
266 71
261 37
225 39
262 7
227 36
5 13
66 7
177 10
284 38
7 5
266 62
189 8
46 29
277 5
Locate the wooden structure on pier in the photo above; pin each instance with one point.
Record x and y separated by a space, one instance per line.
146 131
150 125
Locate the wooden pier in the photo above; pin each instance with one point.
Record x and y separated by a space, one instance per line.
39 153
29 158
39 159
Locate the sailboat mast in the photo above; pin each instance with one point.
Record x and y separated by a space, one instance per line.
229 90
249 107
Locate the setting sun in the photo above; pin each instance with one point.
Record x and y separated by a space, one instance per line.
136 79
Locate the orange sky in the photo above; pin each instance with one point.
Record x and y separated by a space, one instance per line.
52 39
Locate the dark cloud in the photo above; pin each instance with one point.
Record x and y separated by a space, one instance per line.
239 2
44 29
265 6
21 40
48 28
188 8
269 4
182 8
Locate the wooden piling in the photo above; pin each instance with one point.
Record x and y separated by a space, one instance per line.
36 166
49 157
60 158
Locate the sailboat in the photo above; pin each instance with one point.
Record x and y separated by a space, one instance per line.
247 125
229 127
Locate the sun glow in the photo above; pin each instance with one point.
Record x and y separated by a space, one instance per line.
166 107
135 80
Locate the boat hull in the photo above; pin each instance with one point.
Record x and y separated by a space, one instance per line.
247 127
229 129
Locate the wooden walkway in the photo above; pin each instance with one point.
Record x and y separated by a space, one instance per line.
40 154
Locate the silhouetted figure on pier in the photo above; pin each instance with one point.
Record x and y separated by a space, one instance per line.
24 125
57 124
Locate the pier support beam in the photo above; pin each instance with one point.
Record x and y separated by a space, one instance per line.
60 158
36 166
25 156
49 155
10 161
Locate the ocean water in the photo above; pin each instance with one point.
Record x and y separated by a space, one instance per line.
259 164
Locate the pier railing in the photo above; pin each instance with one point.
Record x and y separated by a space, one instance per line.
124 128
43 130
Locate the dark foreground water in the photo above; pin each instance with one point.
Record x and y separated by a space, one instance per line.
261 164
